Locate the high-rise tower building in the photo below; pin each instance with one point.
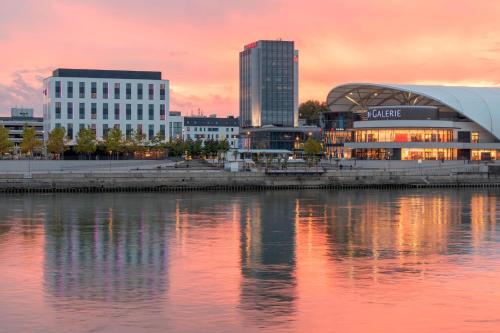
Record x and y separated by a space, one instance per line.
269 84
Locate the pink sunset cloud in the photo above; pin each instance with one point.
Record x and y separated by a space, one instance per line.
195 43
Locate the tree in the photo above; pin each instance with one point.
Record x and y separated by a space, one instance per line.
223 147
312 148
30 142
5 142
311 111
56 142
86 142
114 141
157 141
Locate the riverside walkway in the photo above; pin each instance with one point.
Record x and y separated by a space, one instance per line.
200 175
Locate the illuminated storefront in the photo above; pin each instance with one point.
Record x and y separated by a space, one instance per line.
410 122
404 135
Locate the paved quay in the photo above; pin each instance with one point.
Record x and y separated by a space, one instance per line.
179 176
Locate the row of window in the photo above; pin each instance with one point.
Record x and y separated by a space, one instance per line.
210 136
139 112
105 93
209 129
105 129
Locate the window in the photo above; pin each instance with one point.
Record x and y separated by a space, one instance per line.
151 112
58 89
117 91
93 127
93 111
70 89
151 91
128 115
81 90
162 91
105 111
117 111
70 131
475 137
128 91
58 110
93 90
69 110
80 127
139 128
105 130
58 125
162 131
139 111
151 132
105 90
162 111
128 131
82 111
139 91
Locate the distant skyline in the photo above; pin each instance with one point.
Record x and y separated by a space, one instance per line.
196 43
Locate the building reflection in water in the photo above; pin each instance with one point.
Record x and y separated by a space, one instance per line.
271 258
104 249
267 258
373 234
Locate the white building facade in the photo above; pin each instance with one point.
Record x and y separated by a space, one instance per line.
211 128
175 124
103 99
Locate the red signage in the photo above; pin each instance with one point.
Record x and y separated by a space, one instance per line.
251 45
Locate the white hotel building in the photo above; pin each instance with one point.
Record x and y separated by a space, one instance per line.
103 99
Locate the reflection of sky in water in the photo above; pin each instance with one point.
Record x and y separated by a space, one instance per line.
249 261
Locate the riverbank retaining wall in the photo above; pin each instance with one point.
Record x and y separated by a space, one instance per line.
183 180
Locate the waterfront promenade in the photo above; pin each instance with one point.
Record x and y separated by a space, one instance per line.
167 175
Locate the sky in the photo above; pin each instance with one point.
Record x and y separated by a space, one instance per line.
195 43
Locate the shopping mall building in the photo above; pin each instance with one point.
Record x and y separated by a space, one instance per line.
412 122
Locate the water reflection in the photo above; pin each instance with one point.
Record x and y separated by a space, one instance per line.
248 261
268 258
105 250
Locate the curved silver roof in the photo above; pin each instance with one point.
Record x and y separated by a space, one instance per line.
479 104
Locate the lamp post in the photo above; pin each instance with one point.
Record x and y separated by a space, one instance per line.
110 154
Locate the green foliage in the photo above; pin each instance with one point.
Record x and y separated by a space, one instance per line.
30 142
157 142
5 142
114 142
311 111
86 141
55 143
312 147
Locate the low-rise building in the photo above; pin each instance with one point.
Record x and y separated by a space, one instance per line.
175 123
19 118
105 99
412 122
275 137
211 128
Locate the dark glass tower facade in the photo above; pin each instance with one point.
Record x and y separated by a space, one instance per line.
269 84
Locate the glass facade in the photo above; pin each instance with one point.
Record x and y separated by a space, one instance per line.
404 135
268 84
428 154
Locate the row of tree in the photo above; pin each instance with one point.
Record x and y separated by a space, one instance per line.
114 143
29 142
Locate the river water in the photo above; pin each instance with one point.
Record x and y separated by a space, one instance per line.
283 261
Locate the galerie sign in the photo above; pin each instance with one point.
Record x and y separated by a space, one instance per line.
380 114
402 113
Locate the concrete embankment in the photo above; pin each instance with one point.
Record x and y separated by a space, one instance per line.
183 180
